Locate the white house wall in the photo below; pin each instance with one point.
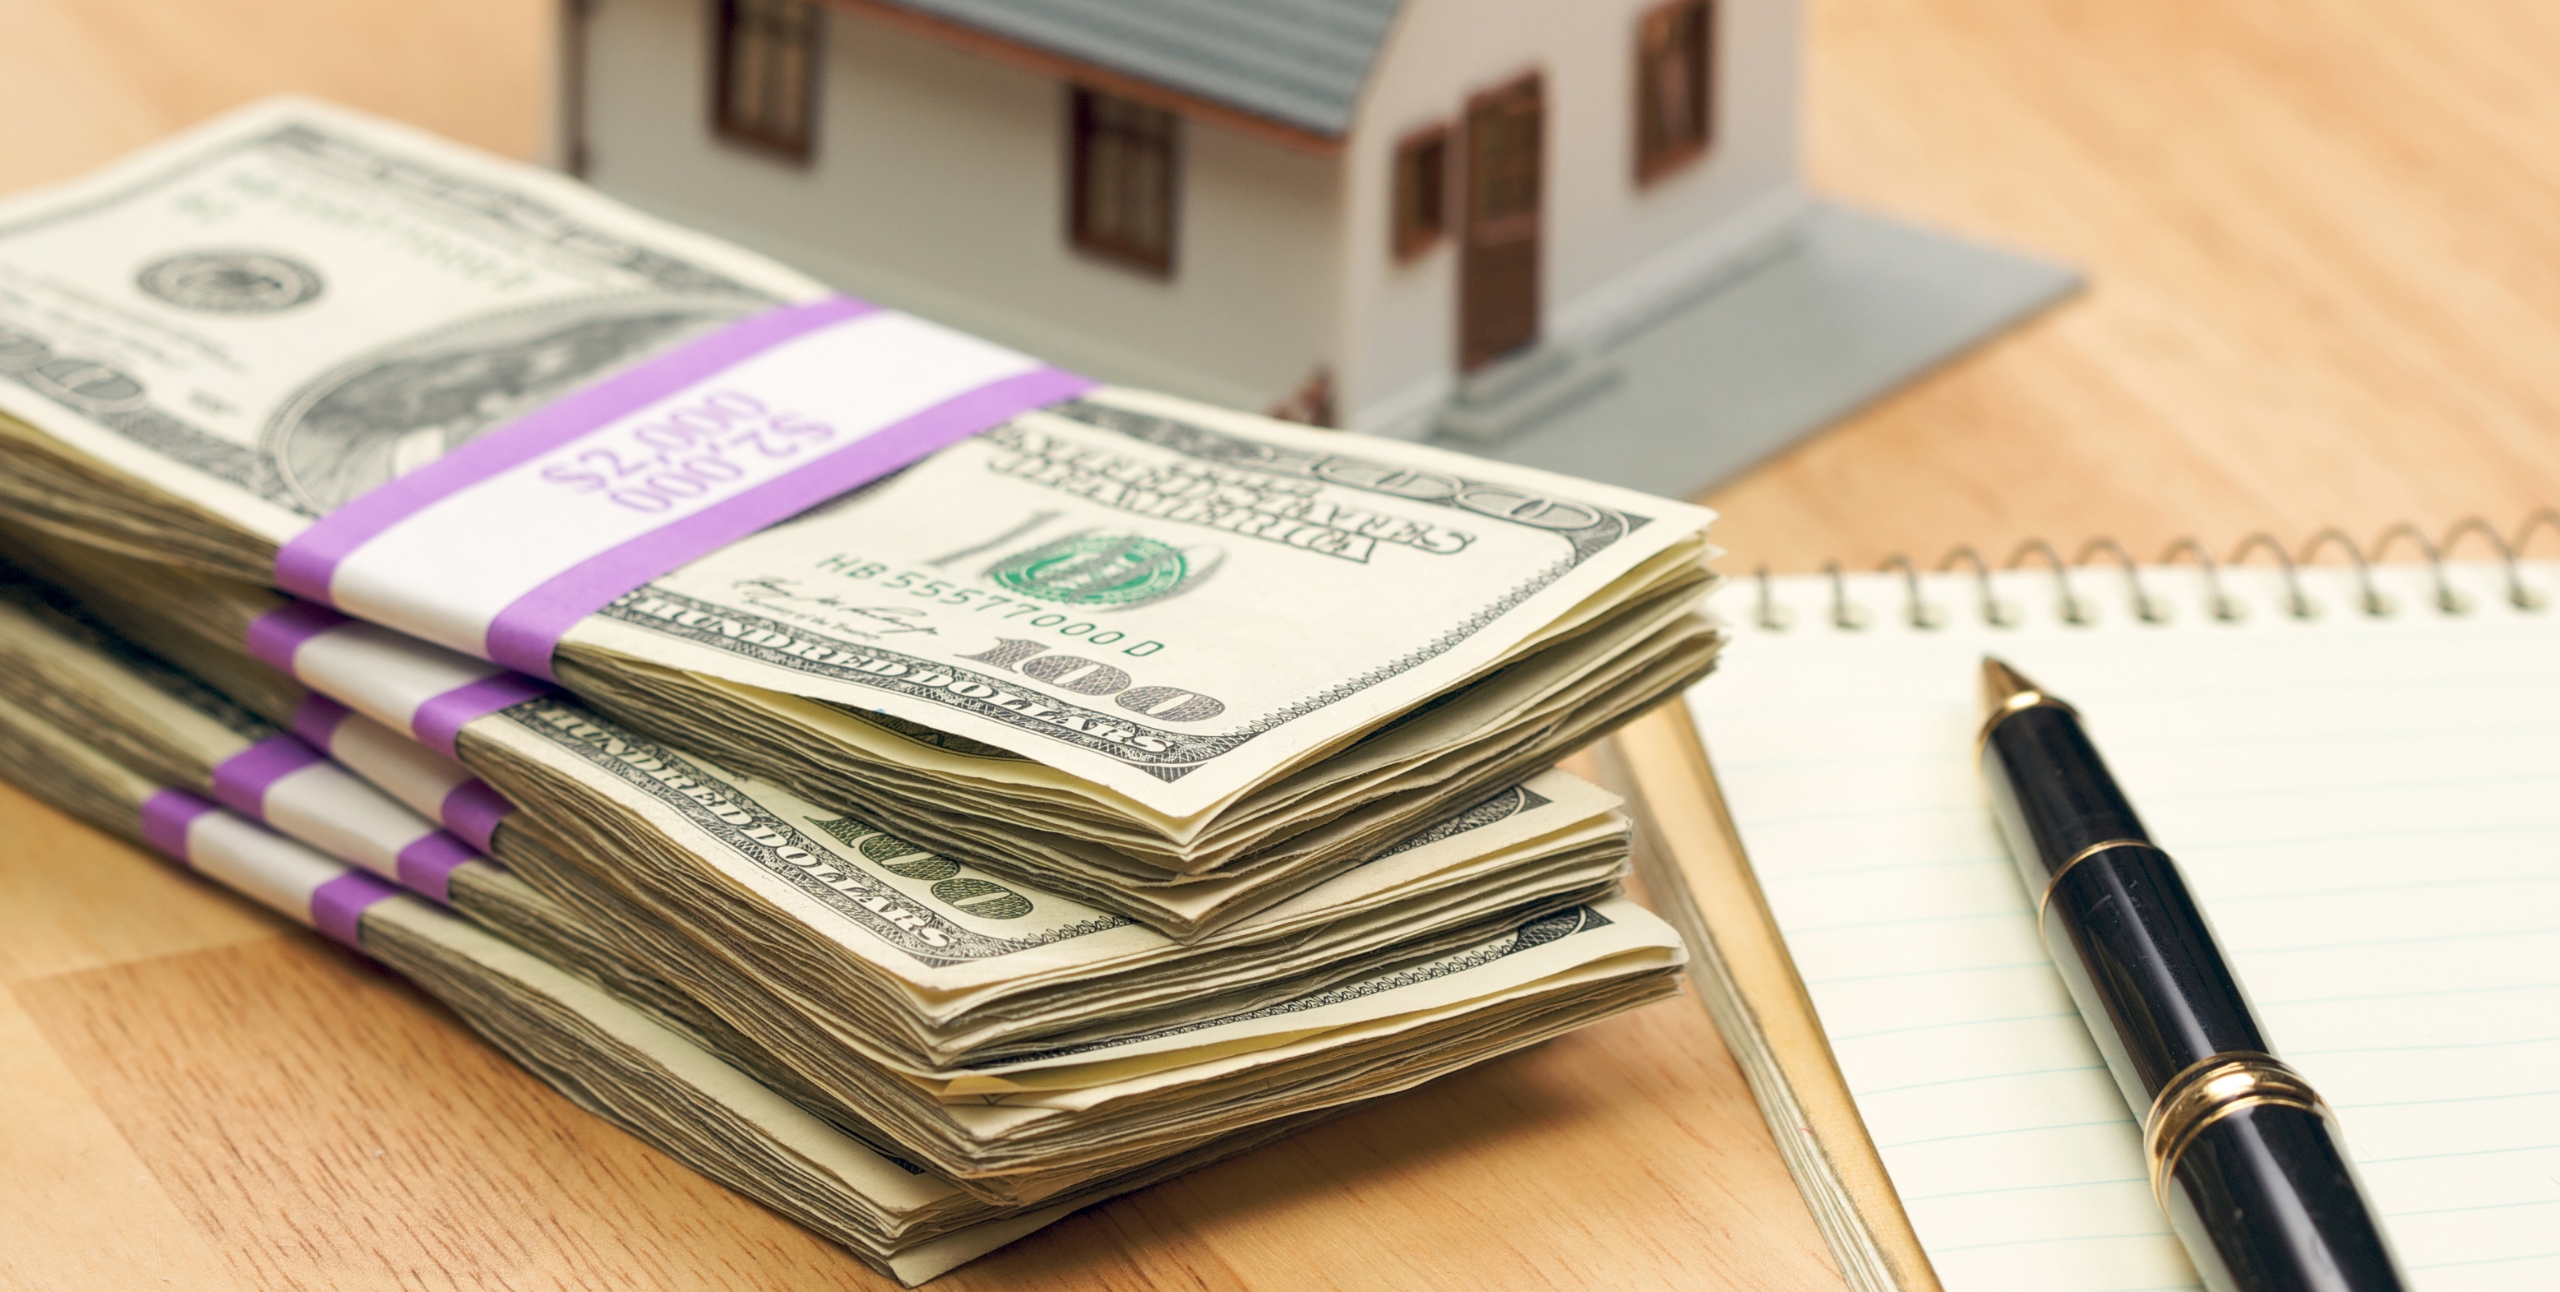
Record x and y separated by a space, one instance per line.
938 187
1612 249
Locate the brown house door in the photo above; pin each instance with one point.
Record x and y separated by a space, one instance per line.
1498 260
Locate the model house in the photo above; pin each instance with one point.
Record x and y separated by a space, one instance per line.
1354 211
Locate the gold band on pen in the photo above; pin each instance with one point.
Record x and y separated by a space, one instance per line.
2018 702
2209 1090
2045 898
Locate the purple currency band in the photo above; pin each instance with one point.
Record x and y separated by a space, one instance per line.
305 566
473 811
317 719
277 634
526 632
338 906
242 780
165 818
470 810
426 867
439 721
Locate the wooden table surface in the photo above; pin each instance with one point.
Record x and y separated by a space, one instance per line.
2324 242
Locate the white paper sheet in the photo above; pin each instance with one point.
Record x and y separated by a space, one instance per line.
2368 807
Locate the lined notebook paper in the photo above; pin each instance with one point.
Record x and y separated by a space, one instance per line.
2368 806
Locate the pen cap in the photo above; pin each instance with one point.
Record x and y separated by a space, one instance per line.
2051 790
2129 939
2142 963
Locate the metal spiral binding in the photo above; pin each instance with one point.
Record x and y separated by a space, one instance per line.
1919 613
2072 609
2518 595
2295 604
1772 616
2375 604
1995 612
2224 608
2146 607
1844 616
2447 600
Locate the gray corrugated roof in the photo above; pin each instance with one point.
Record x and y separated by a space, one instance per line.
1298 62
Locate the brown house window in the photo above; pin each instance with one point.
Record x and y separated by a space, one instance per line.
1121 180
1421 191
1674 106
765 73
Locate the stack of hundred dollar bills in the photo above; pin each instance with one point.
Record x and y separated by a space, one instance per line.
919 788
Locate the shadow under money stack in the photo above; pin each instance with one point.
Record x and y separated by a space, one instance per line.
1049 781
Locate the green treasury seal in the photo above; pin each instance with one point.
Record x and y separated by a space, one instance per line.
1094 570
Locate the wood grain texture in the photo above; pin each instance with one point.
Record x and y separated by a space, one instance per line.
2322 271
83 81
2324 276
83 1209
320 1125
68 901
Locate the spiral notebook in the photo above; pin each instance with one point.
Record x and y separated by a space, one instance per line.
2359 771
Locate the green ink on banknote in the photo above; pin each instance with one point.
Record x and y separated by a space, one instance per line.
1095 570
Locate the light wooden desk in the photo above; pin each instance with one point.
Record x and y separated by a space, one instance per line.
2323 251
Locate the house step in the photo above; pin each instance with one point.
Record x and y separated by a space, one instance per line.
1519 393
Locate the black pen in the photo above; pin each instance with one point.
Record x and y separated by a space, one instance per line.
2245 1157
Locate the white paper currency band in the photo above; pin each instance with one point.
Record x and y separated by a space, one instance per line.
289 784
422 691
259 863
499 547
431 784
